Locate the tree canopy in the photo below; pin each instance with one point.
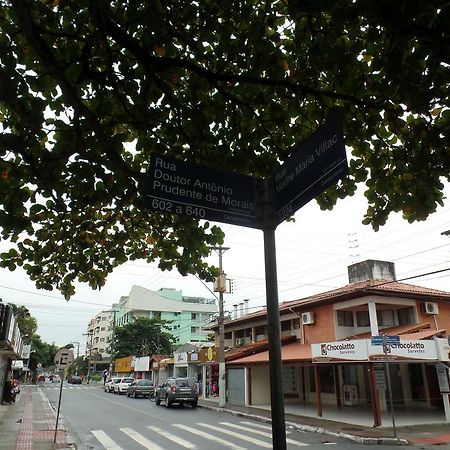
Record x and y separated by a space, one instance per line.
90 89
142 337
26 322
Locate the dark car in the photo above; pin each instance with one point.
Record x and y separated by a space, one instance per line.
140 388
74 379
177 390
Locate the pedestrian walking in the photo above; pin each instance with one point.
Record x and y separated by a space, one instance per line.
105 376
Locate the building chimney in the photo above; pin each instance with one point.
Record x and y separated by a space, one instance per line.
246 306
235 311
371 270
241 309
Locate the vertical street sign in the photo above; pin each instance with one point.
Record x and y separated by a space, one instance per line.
316 165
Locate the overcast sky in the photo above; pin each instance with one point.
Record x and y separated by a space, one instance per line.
312 256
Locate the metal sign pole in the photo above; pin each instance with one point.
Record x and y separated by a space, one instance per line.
59 403
388 375
274 334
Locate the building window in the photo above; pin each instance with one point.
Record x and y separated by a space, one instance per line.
194 316
103 318
102 339
286 325
345 318
195 330
406 316
176 314
386 318
102 329
157 314
362 319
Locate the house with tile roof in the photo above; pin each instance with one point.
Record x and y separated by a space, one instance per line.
329 356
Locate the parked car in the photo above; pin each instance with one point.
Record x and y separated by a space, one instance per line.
140 388
177 390
109 385
74 379
122 385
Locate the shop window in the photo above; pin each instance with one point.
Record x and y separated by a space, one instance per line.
362 319
326 379
286 325
345 318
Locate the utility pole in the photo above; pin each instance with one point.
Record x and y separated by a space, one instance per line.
89 356
220 286
78 347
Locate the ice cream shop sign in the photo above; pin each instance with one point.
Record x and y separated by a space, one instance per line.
363 350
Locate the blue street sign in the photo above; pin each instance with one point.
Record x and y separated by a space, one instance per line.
390 340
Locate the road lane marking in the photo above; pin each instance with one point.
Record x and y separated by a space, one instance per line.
140 439
250 439
105 440
208 436
261 433
171 437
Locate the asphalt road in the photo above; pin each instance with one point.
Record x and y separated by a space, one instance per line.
104 421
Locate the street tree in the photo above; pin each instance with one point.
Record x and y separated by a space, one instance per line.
42 353
89 90
142 337
25 321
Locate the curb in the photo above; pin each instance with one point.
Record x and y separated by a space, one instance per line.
312 429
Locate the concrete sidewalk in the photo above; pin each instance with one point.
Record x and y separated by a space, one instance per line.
422 436
29 423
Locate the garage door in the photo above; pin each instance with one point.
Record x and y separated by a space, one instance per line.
236 386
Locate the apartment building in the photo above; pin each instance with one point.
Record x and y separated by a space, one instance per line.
98 334
189 316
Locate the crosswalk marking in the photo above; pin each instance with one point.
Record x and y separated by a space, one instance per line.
237 435
105 440
261 433
208 436
172 438
140 439
263 427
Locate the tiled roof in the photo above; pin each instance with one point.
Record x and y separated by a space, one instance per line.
289 353
423 334
355 290
395 331
254 347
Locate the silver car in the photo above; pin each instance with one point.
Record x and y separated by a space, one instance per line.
177 390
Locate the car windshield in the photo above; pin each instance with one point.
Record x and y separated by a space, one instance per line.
185 382
144 383
127 380
116 381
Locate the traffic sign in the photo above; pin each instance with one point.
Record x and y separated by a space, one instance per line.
315 166
389 340
63 358
179 187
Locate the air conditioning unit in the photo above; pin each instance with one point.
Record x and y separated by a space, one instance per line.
430 308
239 342
307 318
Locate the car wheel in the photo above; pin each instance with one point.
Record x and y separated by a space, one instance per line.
168 403
194 404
